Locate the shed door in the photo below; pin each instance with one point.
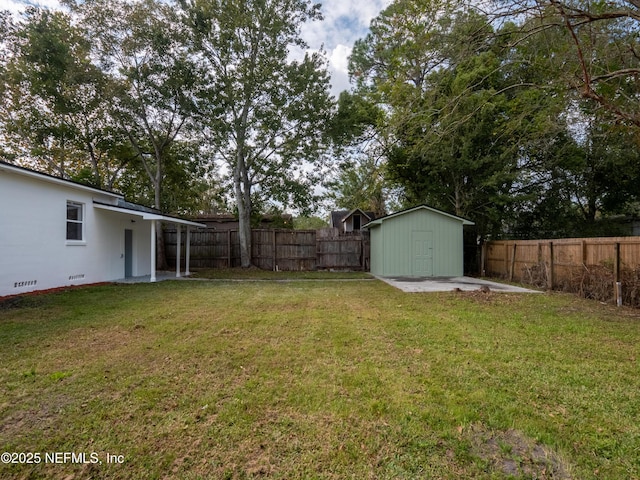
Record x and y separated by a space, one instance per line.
422 253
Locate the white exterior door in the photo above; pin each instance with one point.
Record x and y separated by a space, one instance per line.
422 253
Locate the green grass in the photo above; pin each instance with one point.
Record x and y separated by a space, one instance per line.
325 380
258 274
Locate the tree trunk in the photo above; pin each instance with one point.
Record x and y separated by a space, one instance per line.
243 199
243 189
161 256
244 234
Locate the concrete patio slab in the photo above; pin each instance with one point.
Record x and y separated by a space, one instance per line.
160 276
448 284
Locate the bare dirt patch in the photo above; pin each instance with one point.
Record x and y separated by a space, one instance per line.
41 415
513 453
487 297
21 300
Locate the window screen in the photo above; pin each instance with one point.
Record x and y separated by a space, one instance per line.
74 221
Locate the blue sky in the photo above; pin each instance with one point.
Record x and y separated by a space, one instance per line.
345 21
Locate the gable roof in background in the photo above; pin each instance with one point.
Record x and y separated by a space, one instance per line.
338 217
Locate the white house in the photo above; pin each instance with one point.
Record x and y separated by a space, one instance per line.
56 233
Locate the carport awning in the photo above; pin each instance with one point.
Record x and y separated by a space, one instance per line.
148 215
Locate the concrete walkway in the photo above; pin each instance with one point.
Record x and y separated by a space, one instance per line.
448 284
406 284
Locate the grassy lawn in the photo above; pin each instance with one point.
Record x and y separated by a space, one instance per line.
327 380
257 274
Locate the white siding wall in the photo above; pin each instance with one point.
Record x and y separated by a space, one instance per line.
109 237
34 253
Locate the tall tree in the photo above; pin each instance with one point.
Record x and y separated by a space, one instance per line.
56 111
142 47
486 125
263 113
585 171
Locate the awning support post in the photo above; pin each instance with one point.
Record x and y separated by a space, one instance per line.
153 251
178 248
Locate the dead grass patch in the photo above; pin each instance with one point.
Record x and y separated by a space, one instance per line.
512 453
489 297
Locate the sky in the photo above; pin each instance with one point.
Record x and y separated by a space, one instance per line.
345 21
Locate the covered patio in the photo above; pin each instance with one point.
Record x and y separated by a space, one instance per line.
154 218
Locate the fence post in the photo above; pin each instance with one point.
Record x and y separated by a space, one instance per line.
228 248
513 262
483 259
539 253
273 246
551 279
617 285
506 259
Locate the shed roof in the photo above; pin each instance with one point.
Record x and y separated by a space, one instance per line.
379 221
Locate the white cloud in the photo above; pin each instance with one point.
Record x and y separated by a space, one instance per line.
345 21
11 6
16 6
339 58
339 68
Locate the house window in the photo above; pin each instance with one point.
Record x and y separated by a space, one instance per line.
75 219
356 222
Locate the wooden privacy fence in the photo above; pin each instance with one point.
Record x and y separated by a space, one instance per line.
275 249
601 268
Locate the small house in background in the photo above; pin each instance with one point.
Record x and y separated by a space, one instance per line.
58 233
348 221
418 242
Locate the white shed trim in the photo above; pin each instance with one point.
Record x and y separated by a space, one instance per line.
378 221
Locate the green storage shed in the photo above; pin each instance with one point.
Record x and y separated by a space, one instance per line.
418 242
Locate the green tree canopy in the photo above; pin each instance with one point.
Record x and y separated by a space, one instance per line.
56 101
497 120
